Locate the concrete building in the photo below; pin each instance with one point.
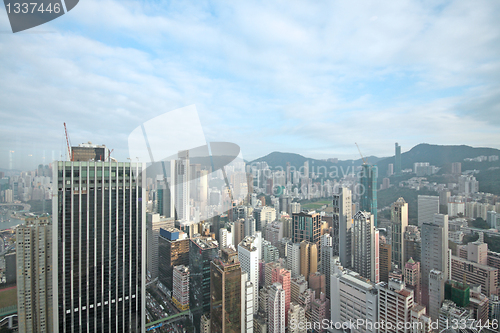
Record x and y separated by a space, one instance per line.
434 255
422 322
173 250
399 219
283 277
365 239
248 254
436 292
326 255
205 323
293 258
276 319
34 258
451 313
412 243
342 224
428 205
394 305
307 227
296 319
385 253
155 222
412 278
474 273
317 282
180 290
353 297
319 312
298 286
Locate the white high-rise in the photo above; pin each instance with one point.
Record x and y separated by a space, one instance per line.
248 254
276 309
394 305
428 205
225 238
293 258
182 186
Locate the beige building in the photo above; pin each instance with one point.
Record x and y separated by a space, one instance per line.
308 258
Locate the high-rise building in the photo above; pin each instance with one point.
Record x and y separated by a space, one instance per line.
296 319
385 261
326 254
34 275
474 273
180 290
317 283
293 258
365 239
412 278
456 168
283 276
399 218
397 159
353 298
434 254
428 205
155 222
248 254
165 192
225 292
182 187
319 312
276 307
412 243
306 226
202 250
99 262
368 181
173 250
436 292
297 286
308 258
342 224
394 305
449 312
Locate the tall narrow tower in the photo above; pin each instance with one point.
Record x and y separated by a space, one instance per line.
99 230
368 181
342 223
397 159
365 238
399 218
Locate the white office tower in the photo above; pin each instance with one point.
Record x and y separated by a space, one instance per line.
293 258
365 240
34 275
399 219
276 309
267 215
450 313
182 186
353 297
248 254
342 224
247 306
394 305
225 238
296 319
326 255
428 205
436 292
434 253
155 222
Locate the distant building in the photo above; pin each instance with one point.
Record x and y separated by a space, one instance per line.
412 243
368 182
427 206
34 275
366 247
180 291
342 224
399 218
397 159
307 226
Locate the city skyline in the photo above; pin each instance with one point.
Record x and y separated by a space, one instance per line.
306 78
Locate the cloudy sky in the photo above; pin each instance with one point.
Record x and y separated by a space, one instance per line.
309 77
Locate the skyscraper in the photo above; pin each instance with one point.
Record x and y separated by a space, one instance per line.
34 275
248 254
428 205
182 186
434 253
276 323
399 218
308 258
180 288
342 224
225 292
395 303
385 255
202 251
368 181
365 239
397 159
306 226
99 220
173 250
283 276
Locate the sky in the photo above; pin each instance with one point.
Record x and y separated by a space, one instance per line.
308 77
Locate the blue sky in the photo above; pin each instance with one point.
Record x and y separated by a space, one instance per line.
294 76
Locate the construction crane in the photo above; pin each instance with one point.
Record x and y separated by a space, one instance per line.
364 161
70 157
109 155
